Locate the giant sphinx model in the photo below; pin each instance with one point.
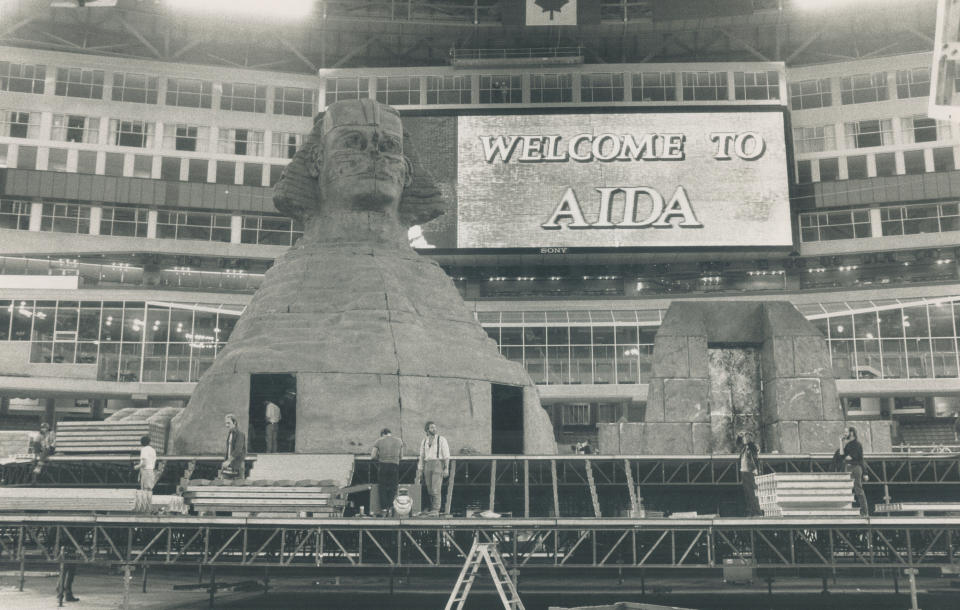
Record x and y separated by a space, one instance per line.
376 335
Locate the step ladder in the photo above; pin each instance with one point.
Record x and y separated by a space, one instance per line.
480 553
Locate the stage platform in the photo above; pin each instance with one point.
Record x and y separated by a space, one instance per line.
388 544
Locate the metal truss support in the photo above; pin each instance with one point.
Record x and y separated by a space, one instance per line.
208 542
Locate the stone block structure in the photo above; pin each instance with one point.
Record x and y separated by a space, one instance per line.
710 361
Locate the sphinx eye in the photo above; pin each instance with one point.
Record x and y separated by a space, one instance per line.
389 145
353 140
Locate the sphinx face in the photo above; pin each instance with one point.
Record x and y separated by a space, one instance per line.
363 169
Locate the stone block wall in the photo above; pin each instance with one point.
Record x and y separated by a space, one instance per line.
800 407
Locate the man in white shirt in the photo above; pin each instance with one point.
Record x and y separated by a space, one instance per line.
147 465
273 422
433 464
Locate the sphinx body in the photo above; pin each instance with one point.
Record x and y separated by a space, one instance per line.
376 335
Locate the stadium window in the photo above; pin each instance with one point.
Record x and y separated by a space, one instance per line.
65 218
197 170
77 82
245 142
253 174
398 90
913 83
294 101
448 89
857 167
757 85
14 214
170 168
137 134
86 162
576 414
813 93
142 166
244 97
113 164
551 88
814 139
22 78
601 87
943 159
189 92
27 157
804 171
16 124
57 160
654 87
137 88
865 134
226 172
919 128
886 164
699 86
829 169
913 162
75 128
123 221
284 144
500 89
828 226
352 88
863 88
276 172
186 137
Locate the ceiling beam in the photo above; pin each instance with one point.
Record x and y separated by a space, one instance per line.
803 46
295 51
743 43
136 34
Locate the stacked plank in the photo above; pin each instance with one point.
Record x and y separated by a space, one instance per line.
316 498
809 494
108 437
58 499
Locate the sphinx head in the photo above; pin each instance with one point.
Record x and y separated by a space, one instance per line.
354 160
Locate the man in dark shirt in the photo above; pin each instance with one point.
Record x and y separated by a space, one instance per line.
853 452
386 452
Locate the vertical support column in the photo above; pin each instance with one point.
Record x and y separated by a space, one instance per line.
36 215
236 226
556 499
151 224
96 408
876 227
50 411
96 215
4 405
912 575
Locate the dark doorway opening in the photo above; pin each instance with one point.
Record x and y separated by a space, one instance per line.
507 419
281 390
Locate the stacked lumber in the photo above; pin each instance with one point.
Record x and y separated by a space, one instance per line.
806 494
319 498
108 437
58 499
168 504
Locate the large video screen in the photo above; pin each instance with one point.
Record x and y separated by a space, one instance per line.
661 180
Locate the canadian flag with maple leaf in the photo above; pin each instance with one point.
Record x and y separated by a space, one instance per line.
551 12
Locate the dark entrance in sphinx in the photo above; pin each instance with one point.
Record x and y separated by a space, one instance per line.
506 419
281 390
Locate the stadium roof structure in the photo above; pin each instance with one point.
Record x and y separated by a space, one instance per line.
377 33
